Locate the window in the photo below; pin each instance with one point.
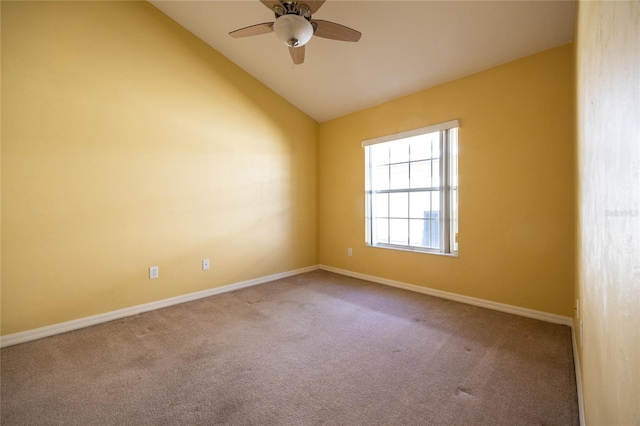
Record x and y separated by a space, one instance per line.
412 190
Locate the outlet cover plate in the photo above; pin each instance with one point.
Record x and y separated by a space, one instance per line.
153 272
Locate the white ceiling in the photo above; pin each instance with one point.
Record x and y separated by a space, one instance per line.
406 46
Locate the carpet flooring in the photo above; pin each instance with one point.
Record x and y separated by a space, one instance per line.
313 349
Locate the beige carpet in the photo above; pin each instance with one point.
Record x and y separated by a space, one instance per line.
317 348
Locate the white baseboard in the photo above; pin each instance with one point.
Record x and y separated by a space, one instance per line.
38 333
63 327
576 363
516 310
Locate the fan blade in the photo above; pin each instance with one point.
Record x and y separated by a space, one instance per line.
271 3
313 5
265 27
297 54
335 31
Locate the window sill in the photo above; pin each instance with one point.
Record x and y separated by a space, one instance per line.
412 249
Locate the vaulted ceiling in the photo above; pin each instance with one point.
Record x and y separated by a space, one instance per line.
406 46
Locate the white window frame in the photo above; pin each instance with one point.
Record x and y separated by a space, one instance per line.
448 189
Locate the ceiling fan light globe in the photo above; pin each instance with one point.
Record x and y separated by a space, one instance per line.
293 29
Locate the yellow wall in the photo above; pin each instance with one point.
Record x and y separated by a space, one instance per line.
608 123
516 162
127 142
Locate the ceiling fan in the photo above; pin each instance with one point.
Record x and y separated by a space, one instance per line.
295 27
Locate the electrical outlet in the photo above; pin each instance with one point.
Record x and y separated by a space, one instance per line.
153 272
349 252
205 264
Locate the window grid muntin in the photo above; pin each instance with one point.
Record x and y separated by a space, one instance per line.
428 219
443 223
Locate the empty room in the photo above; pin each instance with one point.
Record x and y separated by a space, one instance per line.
272 212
